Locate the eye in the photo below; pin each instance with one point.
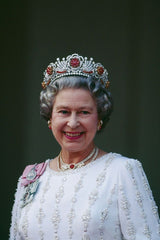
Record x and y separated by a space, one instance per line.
85 112
63 112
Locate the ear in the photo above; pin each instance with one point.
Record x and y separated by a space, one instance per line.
100 123
49 124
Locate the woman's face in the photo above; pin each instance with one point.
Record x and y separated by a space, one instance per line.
74 119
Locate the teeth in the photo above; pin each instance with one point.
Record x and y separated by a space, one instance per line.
73 134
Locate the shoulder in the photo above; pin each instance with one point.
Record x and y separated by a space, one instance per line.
32 172
120 160
128 169
123 163
123 160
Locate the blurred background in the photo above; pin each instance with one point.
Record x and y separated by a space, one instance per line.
123 35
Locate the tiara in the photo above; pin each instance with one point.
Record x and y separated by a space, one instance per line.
75 65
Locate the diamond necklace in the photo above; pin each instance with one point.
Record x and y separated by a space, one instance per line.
62 166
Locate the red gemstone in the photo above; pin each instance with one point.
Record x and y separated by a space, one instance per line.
62 71
74 62
100 70
87 72
72 166
50 70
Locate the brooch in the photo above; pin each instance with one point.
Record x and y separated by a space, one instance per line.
30 181
29 193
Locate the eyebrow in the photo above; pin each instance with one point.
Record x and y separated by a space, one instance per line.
80 108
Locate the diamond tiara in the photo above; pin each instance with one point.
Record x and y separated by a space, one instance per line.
75 65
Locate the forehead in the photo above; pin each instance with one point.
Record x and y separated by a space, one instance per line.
74 97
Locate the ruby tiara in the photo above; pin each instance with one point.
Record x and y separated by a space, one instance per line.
75 65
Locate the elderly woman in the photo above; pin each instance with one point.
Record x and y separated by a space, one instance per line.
83 193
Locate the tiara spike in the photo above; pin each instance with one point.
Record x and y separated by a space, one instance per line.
75 65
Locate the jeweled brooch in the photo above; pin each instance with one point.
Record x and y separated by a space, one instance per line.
30 181
29 193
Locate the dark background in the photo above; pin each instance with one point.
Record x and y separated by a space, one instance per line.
123 35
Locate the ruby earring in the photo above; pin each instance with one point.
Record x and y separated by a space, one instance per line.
49 124
100 123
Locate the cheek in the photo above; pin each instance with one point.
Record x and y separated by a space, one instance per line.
94 119
57 123
54 120
92 123
56 130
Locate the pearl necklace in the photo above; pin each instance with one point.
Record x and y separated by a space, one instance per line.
62 166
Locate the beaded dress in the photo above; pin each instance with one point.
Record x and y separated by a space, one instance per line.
108 199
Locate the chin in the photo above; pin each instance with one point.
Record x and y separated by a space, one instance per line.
74 148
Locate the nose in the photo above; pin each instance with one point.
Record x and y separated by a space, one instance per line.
73 121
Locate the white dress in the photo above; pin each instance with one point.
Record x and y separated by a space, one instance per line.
108 199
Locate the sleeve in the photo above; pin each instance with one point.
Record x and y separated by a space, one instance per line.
15 212
138 212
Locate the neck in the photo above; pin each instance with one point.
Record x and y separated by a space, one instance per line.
75 157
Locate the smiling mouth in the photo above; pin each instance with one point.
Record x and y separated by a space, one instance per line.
69 134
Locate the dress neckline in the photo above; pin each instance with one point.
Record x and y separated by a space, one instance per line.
73 171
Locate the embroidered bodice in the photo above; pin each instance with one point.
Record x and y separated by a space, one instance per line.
108 199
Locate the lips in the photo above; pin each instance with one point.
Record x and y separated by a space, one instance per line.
73 135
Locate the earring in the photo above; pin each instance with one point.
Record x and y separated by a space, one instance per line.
49 124
100 123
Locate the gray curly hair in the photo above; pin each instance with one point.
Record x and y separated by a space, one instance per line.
99 93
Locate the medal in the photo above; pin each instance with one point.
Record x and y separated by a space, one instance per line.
29 193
